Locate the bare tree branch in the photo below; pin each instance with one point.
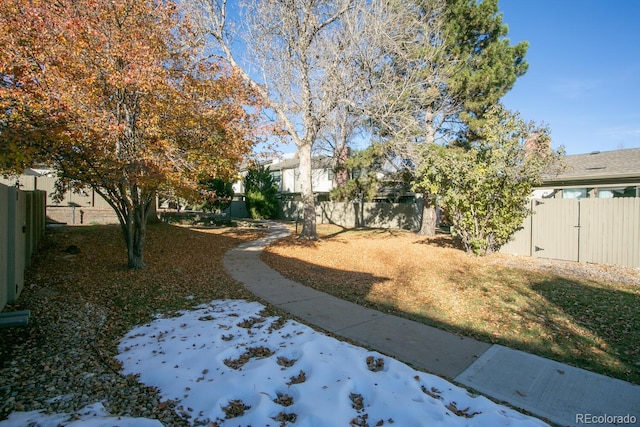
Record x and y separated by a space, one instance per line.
301 50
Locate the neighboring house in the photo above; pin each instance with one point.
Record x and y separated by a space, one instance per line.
45 179
605 174
286 173
592 213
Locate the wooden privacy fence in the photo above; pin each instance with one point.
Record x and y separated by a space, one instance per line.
602 231
22 225
82 207
382 215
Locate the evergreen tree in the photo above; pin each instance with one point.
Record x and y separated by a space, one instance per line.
489 65
362 168
261 193
447 65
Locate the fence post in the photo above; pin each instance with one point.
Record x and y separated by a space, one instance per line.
4 231
42 213
29 230
15 244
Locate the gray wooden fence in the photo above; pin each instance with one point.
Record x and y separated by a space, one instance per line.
82 207
602 231
382 215
22 226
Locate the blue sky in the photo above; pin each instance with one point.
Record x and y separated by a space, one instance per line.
584 70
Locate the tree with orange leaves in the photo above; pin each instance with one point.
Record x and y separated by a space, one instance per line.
111 94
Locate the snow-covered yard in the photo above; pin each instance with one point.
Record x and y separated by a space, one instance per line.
227 363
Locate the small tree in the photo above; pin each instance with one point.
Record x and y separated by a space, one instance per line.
261 193
483 189
363 183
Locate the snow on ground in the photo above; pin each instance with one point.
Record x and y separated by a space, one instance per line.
228 364
94 415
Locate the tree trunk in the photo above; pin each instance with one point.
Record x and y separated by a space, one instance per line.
428 220
133 223
306 190
340 172
133 210
135 233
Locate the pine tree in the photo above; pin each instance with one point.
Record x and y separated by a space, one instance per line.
489 65
448 65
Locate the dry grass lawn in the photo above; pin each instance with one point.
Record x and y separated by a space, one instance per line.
82 304
587 323
181 262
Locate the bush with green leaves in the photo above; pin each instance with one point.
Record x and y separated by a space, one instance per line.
484 189
261 193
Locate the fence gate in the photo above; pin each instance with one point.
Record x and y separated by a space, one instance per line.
610 231
555 231
603 231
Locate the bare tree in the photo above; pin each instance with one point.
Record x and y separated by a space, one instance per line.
301 63
337 138
409 104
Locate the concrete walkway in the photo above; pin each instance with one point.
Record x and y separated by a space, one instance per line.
562 394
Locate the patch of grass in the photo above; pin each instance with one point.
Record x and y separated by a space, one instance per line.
375 364
286 363
197 219
285 418
283 399
584 322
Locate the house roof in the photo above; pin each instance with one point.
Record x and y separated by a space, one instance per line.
599 166
316 163
37 172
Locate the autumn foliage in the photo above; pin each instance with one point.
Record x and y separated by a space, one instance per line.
118 96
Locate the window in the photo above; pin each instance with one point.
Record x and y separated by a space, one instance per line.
574 193
610 193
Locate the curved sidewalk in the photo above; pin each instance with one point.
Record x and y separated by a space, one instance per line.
563 394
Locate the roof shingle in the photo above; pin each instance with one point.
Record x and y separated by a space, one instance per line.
605 164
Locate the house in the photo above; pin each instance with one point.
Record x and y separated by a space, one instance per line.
592 213
599 174
286 174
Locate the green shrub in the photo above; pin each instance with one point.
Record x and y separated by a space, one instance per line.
261 193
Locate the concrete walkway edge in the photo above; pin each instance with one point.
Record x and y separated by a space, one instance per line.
563 394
